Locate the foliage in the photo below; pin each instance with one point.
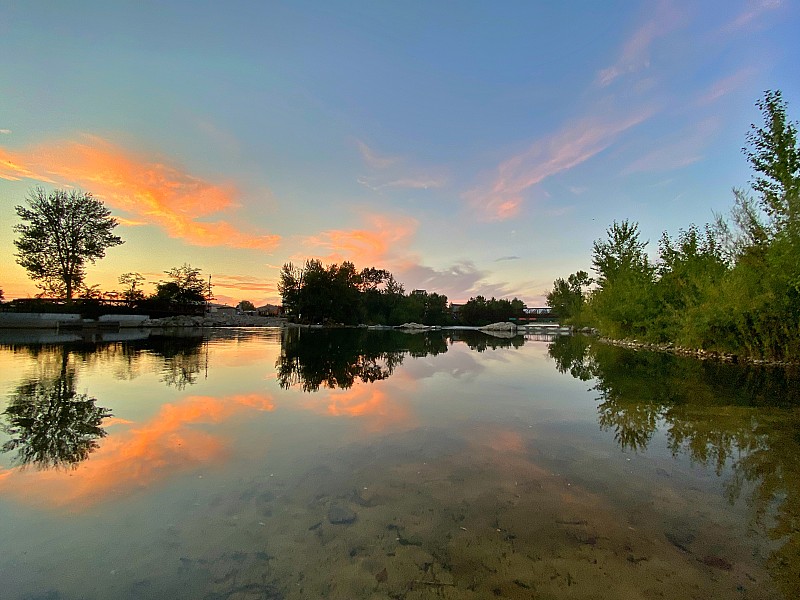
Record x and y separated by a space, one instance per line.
567 298
732 286
246 306
480 311
132 282
774 155
61 231
341 294
185 284
624 302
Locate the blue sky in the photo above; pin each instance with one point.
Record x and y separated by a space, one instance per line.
469 147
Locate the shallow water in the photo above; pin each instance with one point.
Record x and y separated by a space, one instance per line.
245 464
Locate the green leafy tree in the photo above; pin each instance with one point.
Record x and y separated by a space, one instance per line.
567 298
775 157
624 302
62 231
691 268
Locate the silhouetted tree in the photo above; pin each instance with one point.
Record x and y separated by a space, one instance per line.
60 232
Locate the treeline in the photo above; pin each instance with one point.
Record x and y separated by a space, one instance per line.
341 294
183 291
732 285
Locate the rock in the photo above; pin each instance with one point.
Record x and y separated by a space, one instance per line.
412 326
504 326
341 515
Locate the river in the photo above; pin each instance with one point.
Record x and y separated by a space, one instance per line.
284 463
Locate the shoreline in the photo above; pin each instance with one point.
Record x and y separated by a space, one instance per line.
697 353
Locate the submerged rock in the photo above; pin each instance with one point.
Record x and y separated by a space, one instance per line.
341 515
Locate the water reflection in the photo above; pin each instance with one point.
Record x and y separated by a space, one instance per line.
315 358
732 418
48 423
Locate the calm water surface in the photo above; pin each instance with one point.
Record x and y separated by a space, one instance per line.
245 464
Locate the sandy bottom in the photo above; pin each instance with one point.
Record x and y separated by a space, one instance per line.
452 519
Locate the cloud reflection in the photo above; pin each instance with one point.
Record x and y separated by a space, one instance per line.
137 456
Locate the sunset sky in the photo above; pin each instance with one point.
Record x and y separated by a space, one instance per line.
468 147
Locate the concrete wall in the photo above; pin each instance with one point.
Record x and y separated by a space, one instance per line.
52 320
36 320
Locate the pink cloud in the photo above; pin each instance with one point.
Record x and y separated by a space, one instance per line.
502 198
725 86
149 192
635 53
755 9
685 149
385 243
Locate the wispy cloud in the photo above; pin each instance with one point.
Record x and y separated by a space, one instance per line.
685 149
752 12
502 198
385 242
5 132
374 159
505 258
395 172
725 86
635 53
148 191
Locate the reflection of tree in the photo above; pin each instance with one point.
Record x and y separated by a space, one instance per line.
49 424
743 417
480 341
336 358
183 359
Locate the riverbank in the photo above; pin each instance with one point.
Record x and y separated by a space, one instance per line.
72 321
215 320
698 353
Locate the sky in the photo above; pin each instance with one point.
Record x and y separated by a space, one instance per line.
468 147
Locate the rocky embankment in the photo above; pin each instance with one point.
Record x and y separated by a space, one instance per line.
698 353
215 321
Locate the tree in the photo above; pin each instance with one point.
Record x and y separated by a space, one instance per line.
246 306
131 281
185 284
60 232
567 297
623 304
775 157
622 253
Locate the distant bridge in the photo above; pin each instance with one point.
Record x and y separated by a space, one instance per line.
540 314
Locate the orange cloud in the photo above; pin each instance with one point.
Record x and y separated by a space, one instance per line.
388 236
153 192
378 410
565 149
137 457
